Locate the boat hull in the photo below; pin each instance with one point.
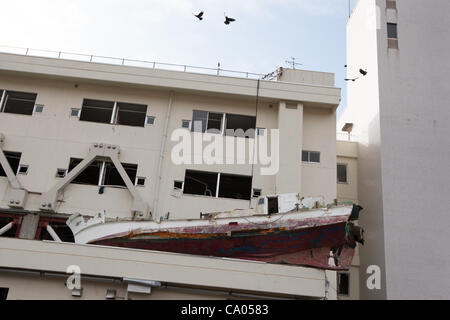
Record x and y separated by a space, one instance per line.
306 246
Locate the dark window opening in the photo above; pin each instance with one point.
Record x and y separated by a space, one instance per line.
215 122
4 293
199 121
257 193
178 185
113 178
392 31
272 205
240 126
19 102
90 175
97 111
235 187
343 284
23 169
13 160
131 114
11 233
140 181
200 183
342 173
311 156
62 230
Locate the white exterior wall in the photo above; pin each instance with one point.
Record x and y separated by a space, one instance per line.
401 116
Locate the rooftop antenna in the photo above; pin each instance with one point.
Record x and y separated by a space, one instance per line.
292 62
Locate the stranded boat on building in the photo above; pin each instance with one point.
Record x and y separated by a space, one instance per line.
283 230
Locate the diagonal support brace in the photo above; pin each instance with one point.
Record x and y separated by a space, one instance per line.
49 199
16 195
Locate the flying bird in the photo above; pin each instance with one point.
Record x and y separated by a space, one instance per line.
363 72
199 16
228 20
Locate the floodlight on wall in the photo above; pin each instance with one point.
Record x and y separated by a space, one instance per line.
348 127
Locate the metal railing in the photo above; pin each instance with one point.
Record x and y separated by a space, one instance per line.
343 136
127 62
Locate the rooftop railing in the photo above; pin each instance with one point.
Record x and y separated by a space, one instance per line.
127 62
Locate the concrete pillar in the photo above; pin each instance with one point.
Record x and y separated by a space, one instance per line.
29 226
290 123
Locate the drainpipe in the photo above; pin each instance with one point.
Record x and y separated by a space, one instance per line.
161 159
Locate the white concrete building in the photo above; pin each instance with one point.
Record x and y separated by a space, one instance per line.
401 120
53 113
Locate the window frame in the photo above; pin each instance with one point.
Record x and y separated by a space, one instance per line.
339 274
389 24
346 173
4 101
309 157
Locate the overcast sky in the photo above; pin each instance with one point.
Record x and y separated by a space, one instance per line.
265 34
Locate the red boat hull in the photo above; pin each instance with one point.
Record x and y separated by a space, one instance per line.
309 246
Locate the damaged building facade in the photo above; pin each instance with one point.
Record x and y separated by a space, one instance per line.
84 137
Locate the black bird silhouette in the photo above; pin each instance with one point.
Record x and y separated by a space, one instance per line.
363 72
228 20
199 16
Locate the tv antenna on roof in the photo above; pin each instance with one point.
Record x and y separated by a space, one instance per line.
292 62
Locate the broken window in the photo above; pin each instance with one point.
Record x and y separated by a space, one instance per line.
112 177
311 156
341 173
203 183
11 233
200 183
90 175
343 284
204 121
235 186
240 126
103 173
130 114
97 111
13 160
4 293
60 228
18 102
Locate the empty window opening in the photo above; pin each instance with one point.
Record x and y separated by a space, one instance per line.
342 173
240 126
272 205
235 186
61 229
4 293
392 31
23 169
150 121
200 183
97 111
257 193
11 233
112 176
130 114
18 102
204 121
140 181
186 124
39 108
75 112
90 175
178 185
61 173
311 156
343 284
13 160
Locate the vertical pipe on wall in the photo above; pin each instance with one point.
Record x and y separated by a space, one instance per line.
161 159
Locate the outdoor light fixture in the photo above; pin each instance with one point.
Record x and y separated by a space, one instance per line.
77 292
111 294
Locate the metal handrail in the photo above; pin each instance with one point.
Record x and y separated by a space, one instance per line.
123 61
